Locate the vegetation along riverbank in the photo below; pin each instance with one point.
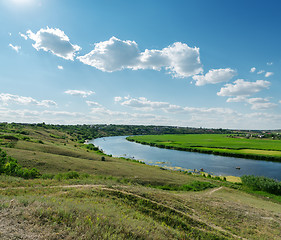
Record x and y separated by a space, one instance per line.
221 144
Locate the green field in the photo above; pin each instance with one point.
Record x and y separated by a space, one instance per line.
221 144
119 198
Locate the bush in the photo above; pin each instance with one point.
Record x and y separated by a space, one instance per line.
262 184
10 166
71 175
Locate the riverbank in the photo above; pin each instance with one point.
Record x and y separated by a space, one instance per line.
217 144
217 165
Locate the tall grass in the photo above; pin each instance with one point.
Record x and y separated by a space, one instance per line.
258 183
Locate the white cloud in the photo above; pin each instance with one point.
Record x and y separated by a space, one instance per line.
16 48
10 34
112 55
23 35
115 54
143 103
260 72
256 103
81 93
62 114
93 104
55 41
6 99
182 116
268 74
47 103
237 99
261 103
269 63
243 88
178 58
60 67
253 69
117 99
214 76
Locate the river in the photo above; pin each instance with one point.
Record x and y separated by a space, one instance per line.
218 165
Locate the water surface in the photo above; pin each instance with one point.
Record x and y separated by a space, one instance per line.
218 165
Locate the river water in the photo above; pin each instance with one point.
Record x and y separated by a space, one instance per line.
218 165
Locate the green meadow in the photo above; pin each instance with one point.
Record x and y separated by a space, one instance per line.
82 193
221 144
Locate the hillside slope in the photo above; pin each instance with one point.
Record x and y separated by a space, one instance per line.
120 199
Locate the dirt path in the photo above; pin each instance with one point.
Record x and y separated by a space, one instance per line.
214 190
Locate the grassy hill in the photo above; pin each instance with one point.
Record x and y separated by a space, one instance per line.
80 196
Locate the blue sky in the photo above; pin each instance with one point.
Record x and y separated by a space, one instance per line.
213 64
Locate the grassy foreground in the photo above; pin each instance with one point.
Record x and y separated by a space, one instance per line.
221 144
120 199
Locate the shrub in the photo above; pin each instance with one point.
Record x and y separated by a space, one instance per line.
91 146
10 166
71 175
258 183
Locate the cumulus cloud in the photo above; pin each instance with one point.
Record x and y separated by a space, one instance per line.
268 74
269 63
237 99
55 41
6 99
60 67
261 103
179 59
240 87
256 103
144 103
93 104
253 69
16 48
47 103
80 93
112 55
260 72
23 35
115 54
214 76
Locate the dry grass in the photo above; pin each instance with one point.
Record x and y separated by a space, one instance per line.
114 210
